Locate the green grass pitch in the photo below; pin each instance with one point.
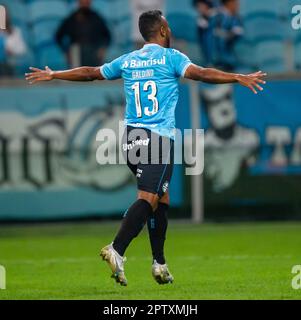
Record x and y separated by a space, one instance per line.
212 261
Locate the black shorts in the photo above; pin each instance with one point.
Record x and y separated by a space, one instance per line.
150 157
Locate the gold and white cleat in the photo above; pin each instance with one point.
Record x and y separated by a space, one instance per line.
161 273
115 262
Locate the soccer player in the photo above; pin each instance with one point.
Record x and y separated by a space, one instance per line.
151 88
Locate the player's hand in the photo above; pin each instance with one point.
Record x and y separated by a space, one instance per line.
38 75
253 81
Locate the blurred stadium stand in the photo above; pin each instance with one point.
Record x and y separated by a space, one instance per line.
267 43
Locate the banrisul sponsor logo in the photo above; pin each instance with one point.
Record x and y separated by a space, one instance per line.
133 63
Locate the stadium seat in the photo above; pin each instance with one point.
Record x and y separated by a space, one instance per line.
180 6
290 33
6 3
248 7
243 51
121 31
292 3
182 19
121 8
40 10
51 56
119 23
183 26
22 63
103 7
270 55
115 51
192 49
44 31
17 11
263 25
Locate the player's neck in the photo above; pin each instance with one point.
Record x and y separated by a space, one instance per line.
158 42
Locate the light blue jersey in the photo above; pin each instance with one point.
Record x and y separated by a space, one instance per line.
151 86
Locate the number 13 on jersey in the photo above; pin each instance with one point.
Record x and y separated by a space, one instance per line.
149 86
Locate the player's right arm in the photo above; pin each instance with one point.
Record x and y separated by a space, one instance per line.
76 74
108 71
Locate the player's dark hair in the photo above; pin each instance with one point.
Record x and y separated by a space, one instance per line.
149 22
225 1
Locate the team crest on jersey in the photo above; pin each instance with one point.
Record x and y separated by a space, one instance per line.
165 186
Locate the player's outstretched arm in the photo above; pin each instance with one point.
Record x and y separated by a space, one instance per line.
253 81
77 74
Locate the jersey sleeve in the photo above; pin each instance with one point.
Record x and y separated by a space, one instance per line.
112 70
180 62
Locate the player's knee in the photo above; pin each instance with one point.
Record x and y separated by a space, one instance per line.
151 198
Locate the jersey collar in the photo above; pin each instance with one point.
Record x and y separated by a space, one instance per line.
151 45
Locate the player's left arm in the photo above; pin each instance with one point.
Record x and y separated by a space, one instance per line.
210 75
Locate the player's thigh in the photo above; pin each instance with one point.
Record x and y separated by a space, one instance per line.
150 197
165 198
153 199
154 178
126 145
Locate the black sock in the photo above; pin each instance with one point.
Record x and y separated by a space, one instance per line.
157 226
133 222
